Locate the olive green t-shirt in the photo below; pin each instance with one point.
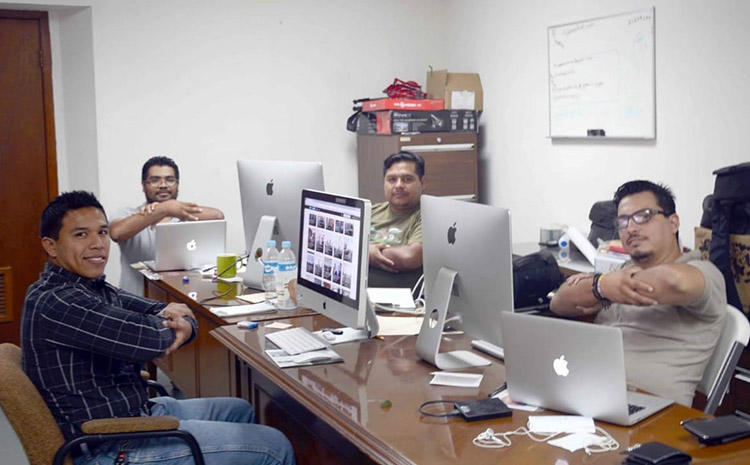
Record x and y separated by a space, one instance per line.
395 229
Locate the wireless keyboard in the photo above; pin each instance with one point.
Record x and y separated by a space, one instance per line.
297 340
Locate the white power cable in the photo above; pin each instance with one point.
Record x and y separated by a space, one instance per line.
489 439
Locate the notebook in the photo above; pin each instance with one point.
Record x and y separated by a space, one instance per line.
571 367
188 245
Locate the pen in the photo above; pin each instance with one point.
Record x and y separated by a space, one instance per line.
333 330
498 390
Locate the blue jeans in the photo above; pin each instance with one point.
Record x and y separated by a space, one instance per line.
223 427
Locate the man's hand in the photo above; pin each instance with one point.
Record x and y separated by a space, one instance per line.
148 209
379 260
174 311
182 332
621 286
186 211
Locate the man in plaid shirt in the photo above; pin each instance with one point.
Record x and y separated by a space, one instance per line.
84 342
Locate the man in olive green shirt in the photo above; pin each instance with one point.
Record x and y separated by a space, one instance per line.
396 226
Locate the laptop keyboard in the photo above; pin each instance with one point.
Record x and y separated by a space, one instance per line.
634 408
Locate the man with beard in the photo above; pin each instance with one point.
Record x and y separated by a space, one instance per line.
669 305
133 228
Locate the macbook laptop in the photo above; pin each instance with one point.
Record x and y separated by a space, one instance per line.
571 367
188 245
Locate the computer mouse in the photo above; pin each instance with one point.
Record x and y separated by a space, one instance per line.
311 357
328 336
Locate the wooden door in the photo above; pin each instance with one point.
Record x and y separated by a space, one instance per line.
28 170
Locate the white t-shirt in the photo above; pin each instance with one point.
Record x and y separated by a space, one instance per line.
667 347
140 247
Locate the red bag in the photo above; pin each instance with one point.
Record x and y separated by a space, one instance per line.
404 89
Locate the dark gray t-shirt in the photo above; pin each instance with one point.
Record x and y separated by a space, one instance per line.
667 347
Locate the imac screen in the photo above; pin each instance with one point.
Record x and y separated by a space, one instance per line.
330 246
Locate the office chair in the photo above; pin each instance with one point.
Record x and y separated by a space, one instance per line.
720 369
39 434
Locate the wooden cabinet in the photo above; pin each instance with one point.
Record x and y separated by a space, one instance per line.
450 162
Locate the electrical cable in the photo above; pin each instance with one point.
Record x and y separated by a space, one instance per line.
489 439
229 267
452 413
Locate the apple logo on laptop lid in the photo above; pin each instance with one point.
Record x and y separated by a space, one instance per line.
560 366
192 246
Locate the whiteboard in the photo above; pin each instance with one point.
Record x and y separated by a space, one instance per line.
601 77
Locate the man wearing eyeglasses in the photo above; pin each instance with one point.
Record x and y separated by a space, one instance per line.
669 305
133 229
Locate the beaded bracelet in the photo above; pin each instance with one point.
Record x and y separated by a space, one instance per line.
597 290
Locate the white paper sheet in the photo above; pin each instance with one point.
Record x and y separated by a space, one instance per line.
399 325
449 378
462 100
575 441
395 298
278 325
255 298
237 310
561 424
505 397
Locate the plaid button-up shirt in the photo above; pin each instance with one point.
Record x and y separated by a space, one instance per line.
84 342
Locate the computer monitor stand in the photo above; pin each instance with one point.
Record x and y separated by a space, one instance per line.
351 334
253 276
430 335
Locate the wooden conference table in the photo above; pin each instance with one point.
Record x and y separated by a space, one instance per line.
364 410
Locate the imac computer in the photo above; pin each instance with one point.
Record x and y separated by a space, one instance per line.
468 272
333 256
270 193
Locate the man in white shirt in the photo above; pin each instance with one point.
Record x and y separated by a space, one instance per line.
133 227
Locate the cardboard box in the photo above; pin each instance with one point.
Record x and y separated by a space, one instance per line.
402 104
460 91
411 122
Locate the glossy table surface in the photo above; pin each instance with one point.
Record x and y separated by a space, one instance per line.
351 397
210 293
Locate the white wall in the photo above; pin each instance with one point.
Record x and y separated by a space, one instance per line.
702 107
74 98
210 82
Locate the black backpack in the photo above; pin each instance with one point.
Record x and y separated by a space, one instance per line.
534 276
602 216
729 210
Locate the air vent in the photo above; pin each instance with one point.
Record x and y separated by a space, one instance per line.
6 294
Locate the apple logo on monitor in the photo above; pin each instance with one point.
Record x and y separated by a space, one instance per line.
191 246
561 366
452 234
269 187
324 305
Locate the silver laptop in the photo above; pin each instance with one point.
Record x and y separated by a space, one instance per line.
572 367
188 245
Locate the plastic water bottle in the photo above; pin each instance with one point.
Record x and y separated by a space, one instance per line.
287 272
270 266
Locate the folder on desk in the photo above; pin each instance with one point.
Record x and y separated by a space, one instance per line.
284 360
239 310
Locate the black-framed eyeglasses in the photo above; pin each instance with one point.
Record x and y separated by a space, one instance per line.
640 217
154 181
